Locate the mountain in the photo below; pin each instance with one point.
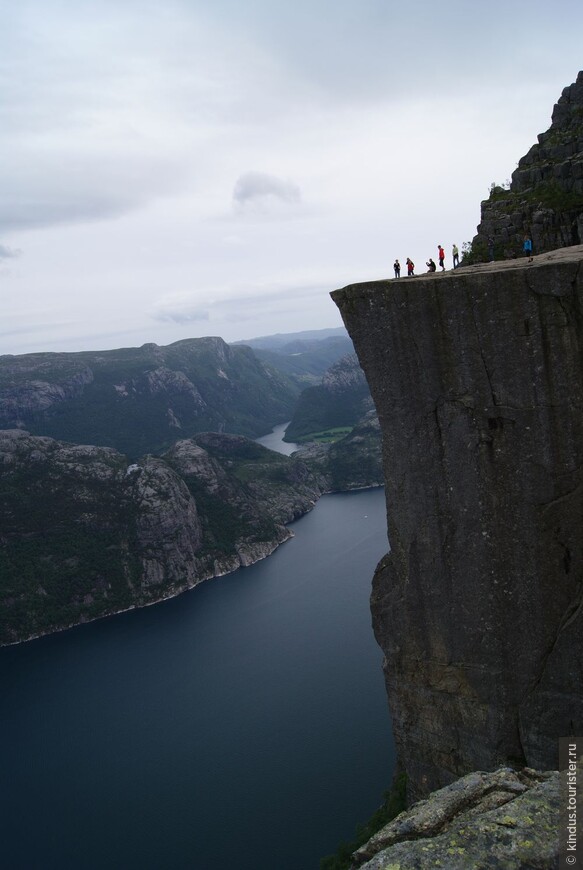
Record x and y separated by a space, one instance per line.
84 533
339 402
545 196
281 339
143 399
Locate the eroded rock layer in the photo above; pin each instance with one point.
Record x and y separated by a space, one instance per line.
477 379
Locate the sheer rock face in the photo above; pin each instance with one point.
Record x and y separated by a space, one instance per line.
477 379
545 199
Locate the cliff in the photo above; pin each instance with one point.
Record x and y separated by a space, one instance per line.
477 377
545 196
85 534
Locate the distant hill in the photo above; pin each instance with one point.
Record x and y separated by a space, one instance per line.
141 400
303 356
276 342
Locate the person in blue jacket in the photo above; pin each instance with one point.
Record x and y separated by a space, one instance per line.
527 247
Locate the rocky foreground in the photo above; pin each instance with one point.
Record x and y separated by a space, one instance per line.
505 820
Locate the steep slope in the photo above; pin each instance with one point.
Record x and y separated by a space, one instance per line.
142 399
477 377
84 534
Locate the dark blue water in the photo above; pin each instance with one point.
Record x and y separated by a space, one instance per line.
241 726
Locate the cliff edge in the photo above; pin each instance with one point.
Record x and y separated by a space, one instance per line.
477 377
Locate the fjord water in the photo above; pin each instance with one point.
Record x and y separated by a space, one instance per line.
241 725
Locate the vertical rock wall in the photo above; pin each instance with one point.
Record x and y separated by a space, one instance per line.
477 377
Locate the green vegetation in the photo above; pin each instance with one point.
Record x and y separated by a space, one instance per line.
394 802
327 436
550 194
498 191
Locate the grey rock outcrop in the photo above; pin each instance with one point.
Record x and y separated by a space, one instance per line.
545 198
477 377
504 820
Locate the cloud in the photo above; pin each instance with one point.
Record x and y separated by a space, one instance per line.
180 313
7 253
259 191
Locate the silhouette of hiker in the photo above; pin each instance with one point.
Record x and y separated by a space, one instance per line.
397 268
410 268
431 264
456 256
441 253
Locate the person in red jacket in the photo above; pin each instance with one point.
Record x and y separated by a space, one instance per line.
441 257
410 268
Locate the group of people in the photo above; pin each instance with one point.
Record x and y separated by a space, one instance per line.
430 263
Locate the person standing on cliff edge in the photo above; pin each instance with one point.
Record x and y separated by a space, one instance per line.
456 256
410 268
527 247
397 268
441 253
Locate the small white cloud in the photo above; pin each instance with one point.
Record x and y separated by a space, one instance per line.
258 191
180 313
7 253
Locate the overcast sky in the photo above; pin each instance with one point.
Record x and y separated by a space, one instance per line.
180 168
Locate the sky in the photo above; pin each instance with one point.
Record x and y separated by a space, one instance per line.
181 168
